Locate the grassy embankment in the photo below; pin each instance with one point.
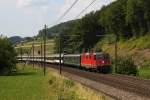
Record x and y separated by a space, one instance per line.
30 84
27 46
138 48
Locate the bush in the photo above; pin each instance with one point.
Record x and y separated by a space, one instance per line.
69 83
8 57
126 66
146 64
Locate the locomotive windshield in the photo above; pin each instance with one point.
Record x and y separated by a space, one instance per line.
102 56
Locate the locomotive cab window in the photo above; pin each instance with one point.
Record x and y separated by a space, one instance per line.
100 56
103 56
94 57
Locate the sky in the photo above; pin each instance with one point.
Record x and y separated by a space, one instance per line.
26 17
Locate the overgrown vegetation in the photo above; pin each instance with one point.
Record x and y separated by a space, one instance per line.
126 66
144 70
144 73
7 57
136 43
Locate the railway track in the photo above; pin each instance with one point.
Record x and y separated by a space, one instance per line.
126 83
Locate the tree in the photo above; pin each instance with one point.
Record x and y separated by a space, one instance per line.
135 17
112 18
8 57
146 9
90 28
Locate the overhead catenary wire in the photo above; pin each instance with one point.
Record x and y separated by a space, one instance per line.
65 13
85 9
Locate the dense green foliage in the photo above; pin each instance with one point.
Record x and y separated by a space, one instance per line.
126 66
7 56
125 18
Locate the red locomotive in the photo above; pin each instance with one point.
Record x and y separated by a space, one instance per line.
96 61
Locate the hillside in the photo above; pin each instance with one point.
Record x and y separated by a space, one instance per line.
137 48
58 29
16 39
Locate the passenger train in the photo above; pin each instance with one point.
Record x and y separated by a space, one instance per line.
89 61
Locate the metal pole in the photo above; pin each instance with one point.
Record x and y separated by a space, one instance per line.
41 53
33 52
116 55
45 50
41 50
116 50
60 49
21 52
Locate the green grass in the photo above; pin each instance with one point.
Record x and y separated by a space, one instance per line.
27 84
144 73
139 43
128 45
28 45
30 84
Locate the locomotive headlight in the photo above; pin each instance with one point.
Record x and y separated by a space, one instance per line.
103 62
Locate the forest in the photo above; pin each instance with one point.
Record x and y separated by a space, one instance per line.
123 18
